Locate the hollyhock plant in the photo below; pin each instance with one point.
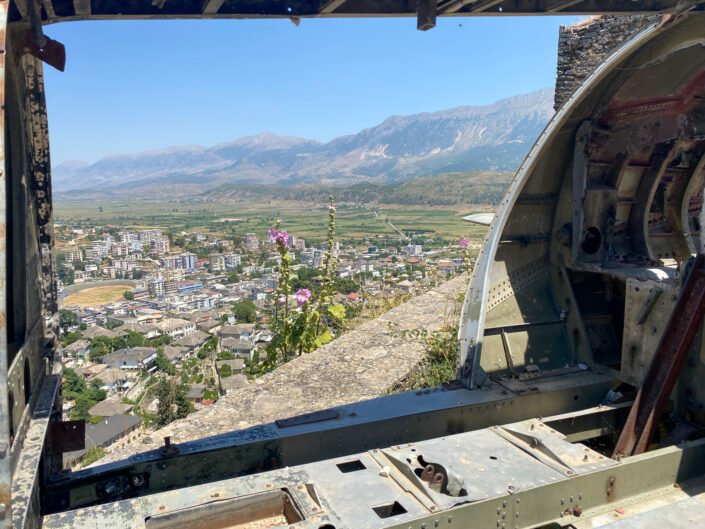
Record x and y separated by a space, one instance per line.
464 244
278 236
273 232
295 332
302 296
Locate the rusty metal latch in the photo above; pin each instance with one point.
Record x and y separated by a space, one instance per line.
36 43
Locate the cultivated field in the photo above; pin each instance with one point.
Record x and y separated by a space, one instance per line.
95 296
301 219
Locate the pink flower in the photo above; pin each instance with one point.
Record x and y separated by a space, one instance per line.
273 232
282 299
463 242
277 235
283 237
302 296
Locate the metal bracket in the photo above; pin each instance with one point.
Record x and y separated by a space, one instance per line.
53 52
67 436
34 42
548 446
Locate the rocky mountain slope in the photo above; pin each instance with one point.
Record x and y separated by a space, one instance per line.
494 137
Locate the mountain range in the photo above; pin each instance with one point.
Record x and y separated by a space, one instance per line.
493 137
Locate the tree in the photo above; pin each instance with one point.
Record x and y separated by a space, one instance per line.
128 295
64 272
232 278
164 364
70 338
72 382
245 311
134 339
100 347
137 274
80 408
67 319
157 341
173 403
225 370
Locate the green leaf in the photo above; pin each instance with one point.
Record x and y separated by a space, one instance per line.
337 311
325 338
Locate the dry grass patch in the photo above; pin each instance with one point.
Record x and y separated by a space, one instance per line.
95 296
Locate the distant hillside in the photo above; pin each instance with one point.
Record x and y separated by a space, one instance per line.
471 138
442 190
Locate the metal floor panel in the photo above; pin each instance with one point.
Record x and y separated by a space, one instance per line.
686 514
377 489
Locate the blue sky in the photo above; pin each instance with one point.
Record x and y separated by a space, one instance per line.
141 85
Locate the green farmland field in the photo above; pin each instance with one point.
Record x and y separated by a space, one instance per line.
301 219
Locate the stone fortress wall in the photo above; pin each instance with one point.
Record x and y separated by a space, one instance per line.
582 46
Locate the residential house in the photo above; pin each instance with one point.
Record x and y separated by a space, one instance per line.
141 358
115 430
193 341
241 331
176 354
78 348
236 365
148 330
209 325
95 331
195 393
242 348
110 407
176 327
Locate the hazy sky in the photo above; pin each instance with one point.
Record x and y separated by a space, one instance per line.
141 85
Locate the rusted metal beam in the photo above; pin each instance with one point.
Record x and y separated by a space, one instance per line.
331 6
666 365
211 7
82 7
662 155
5 404
426 11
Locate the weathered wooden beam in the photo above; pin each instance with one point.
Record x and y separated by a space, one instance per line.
554 7
478 5
211 7
82 7
49 9
331 6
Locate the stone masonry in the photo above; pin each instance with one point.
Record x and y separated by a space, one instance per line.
581 47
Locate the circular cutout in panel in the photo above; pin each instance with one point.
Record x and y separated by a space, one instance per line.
592 241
